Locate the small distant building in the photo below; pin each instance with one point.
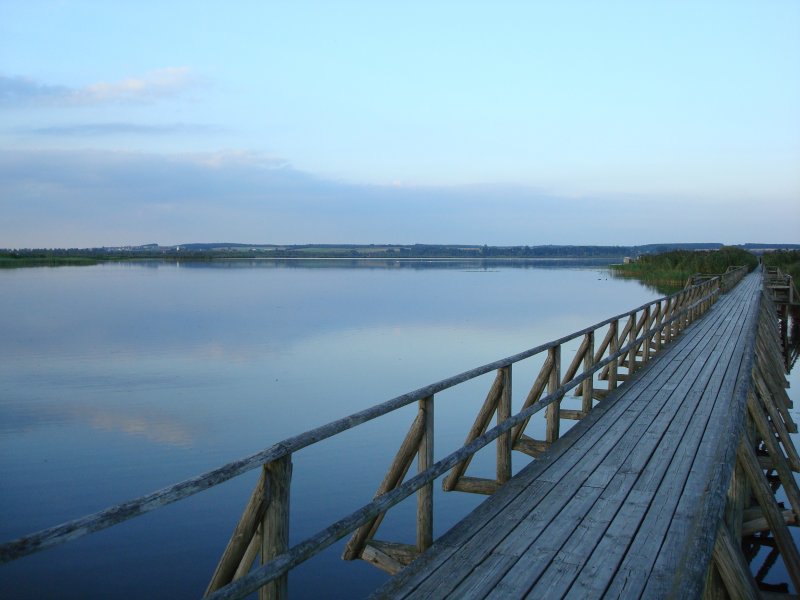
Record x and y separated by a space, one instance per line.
627 260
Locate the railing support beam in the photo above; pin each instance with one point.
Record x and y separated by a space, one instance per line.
275 526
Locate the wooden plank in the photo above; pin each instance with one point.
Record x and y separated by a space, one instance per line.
760 524
380 559
405 554
530 446
733 568
476 485
610 334
551 568
579 357
573 415
242 537
250 555
738 495
772 513
514 566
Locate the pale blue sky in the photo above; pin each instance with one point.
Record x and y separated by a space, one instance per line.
453 122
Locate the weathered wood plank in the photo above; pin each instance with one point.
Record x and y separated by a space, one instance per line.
553 426
503 472
772 513
733 569
380 559
242 537
761 524
405 554
476 485
424 462
275 525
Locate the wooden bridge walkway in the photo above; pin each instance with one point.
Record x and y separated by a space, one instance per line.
627 503
660 489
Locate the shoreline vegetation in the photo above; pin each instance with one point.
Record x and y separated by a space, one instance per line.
670 271
640 256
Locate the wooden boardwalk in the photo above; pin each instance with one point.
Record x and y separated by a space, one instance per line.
659 490
627 503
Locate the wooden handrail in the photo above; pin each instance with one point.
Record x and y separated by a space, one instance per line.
122 512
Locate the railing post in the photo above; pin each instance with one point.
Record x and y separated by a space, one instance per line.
588 383
667 329
425 493
504 441
648 322
612 349
679 323
554 408
631 338
275 526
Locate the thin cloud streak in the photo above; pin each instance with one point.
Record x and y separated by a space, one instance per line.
20 92
109 129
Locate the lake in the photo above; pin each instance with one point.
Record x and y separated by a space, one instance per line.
123 378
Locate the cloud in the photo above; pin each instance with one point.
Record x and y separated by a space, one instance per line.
162 83
94 198
102 129
17 91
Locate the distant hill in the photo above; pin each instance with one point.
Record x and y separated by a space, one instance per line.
215 250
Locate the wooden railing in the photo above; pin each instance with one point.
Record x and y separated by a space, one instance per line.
759 440
628 341
780 286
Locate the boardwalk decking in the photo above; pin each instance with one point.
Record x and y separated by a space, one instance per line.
627 504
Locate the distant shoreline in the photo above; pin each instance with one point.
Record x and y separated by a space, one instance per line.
11 258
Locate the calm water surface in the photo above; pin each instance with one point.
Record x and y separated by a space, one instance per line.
120 379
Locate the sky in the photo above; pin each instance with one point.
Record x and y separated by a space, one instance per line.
501 123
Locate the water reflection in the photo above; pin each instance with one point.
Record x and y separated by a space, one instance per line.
658 286
151 423
119 379
415 264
